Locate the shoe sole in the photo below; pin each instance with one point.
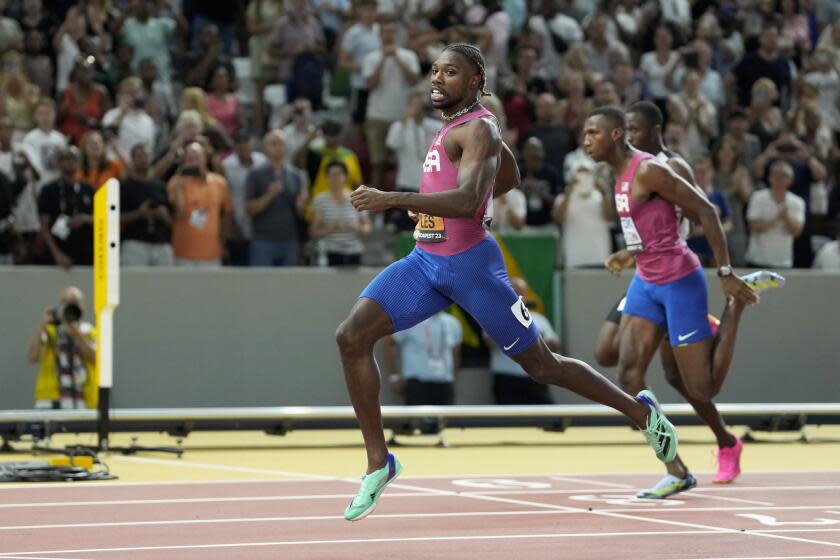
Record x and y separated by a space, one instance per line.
730 481
651 401
372 507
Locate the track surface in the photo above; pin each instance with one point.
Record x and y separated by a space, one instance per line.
793 516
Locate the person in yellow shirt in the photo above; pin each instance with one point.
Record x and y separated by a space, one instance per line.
315 160
64 346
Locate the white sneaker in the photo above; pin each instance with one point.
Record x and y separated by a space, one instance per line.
763 280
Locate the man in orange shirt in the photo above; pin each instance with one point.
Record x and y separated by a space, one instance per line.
202 209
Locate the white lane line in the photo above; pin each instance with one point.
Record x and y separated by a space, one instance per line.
223 520
763 558
207 500
693 492
446 477
722 530
699 509
834 488
2 555
435 494
728 499
590 482
99 484
368 541
229 468
800 530
783 474
482 497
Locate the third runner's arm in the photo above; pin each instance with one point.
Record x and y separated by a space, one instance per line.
681 168
657 178
508 176
478 164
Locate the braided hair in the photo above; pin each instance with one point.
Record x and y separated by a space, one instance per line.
474 55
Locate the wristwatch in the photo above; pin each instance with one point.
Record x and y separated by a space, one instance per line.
724 271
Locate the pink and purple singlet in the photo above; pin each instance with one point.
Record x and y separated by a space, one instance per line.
450 236
455 260
669 286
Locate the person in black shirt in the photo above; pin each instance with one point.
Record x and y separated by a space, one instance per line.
557 140
9 193
541 183
145 217
766 62
65 207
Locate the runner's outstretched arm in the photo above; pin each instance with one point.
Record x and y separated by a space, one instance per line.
656 178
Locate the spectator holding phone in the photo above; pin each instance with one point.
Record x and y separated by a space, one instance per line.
145 219
201 204
129 119
776 217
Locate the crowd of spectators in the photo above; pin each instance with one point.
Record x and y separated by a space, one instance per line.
237 127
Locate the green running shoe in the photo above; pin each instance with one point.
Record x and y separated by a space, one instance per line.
373 485
659 432
668 486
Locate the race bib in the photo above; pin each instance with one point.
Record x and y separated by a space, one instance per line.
198 218
429 229
632 239
437 369
61 227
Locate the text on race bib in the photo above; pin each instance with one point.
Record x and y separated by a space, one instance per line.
429 229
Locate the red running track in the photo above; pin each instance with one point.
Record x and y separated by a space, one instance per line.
792 516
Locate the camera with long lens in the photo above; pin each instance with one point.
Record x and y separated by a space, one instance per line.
67 313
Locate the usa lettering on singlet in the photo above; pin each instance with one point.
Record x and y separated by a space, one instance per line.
632 239
449 236
651 231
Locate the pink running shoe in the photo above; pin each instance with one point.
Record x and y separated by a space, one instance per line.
729 463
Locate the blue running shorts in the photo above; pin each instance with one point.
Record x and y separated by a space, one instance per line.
418 286
680 307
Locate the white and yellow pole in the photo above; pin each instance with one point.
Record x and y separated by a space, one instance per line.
106 294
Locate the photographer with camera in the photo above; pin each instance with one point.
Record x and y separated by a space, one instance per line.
64 346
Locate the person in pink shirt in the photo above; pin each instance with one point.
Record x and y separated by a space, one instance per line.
668 293
456 261
221 103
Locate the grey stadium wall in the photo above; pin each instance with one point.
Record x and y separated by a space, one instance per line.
257 337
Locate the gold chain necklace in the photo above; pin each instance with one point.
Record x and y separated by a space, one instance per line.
464 111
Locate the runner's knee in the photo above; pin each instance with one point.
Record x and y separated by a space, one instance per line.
605 355
350 339
631 377
540 364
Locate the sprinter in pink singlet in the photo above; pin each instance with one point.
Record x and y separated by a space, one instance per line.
456 261
668 293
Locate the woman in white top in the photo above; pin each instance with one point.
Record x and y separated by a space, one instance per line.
336 223
776 217
585 212
657 64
